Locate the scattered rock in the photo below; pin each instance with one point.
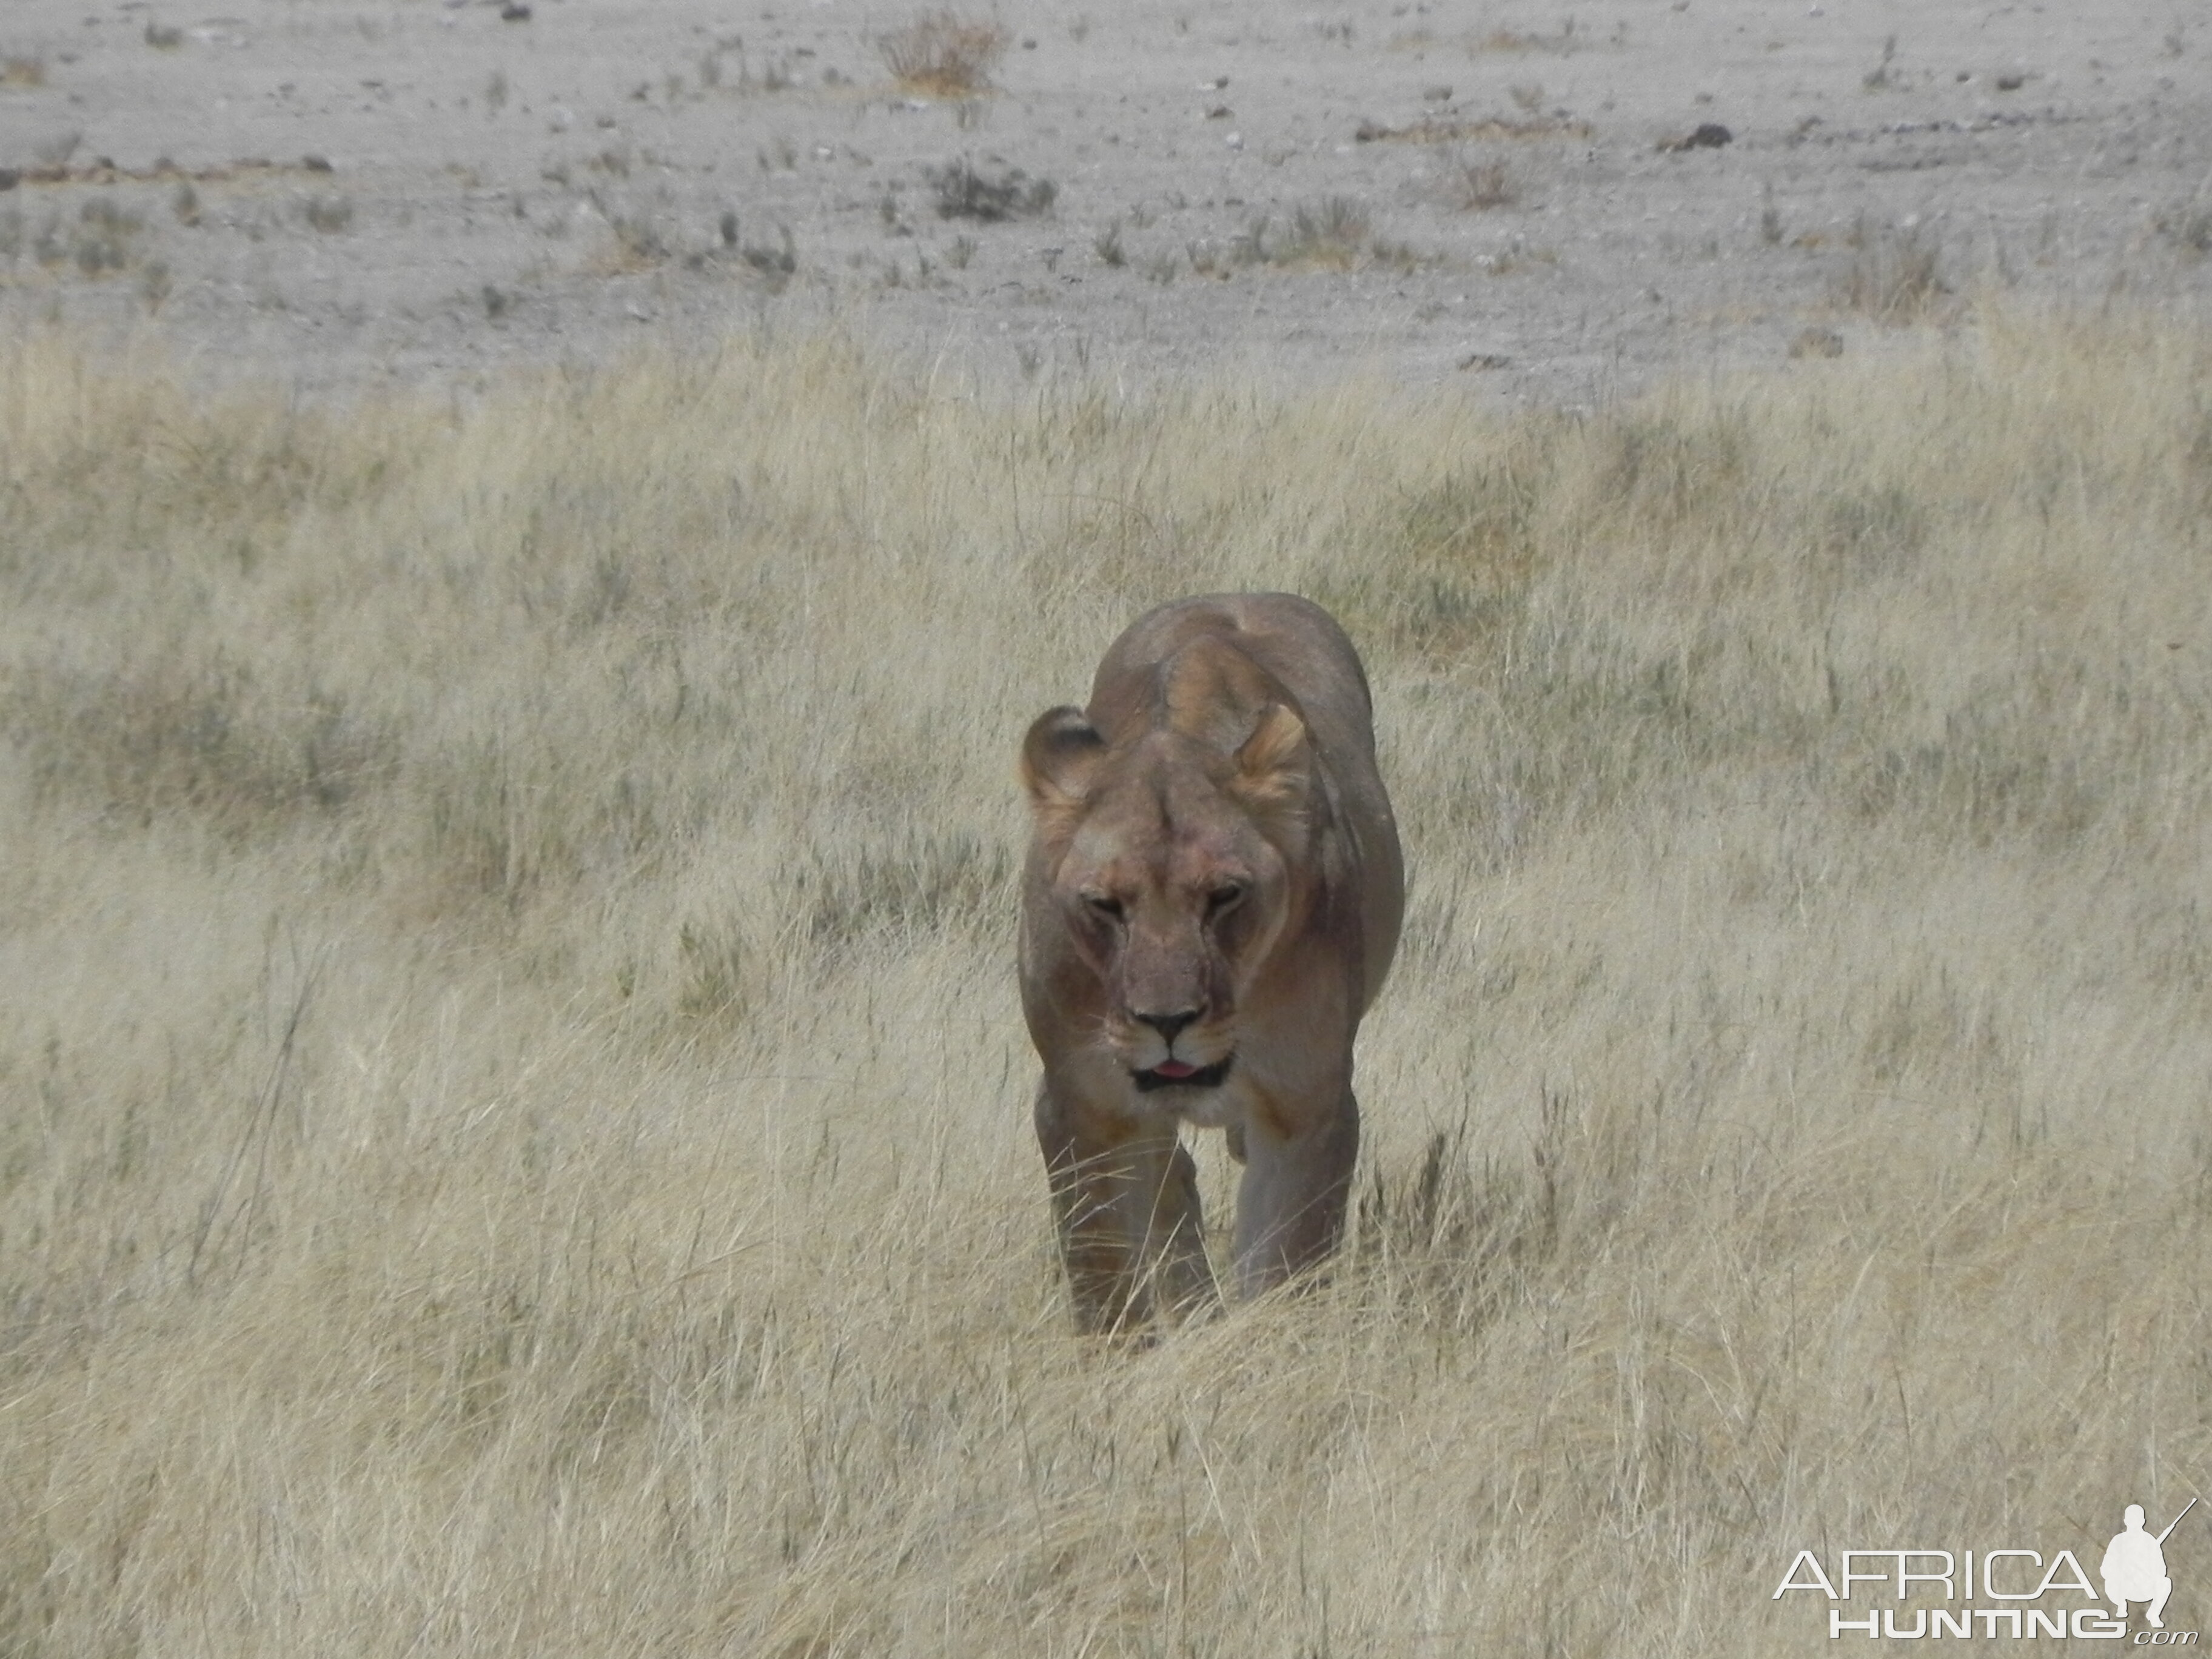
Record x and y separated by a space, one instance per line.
515 12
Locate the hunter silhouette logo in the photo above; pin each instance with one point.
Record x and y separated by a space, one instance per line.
2135 1566
2013 1593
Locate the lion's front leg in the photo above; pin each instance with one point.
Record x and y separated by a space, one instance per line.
1132 1232
1291 1203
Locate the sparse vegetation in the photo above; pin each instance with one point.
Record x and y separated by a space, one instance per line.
944 54
104 238
1331 235
1883 74
990 192
329 213
1895 271
1524 41
2186 224
20 71
639 239
775 265
154 283
1451 130
1478 186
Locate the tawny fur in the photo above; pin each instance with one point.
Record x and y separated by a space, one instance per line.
1213 893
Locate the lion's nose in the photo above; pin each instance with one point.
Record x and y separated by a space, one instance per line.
1168 1024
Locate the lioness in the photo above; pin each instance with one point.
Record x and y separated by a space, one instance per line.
1212 899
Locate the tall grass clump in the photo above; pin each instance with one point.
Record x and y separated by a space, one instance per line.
513 1113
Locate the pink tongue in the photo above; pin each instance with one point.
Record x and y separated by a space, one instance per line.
1174 1068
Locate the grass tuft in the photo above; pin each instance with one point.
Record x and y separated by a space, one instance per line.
944 54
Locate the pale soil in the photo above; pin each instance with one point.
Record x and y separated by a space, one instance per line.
479 169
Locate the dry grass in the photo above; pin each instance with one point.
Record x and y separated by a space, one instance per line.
514 1133
1895 272
944 54
1479 187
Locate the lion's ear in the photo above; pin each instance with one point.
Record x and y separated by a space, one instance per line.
1057 756
1272 765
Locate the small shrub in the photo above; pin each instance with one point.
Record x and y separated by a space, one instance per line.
1106 245
638 240
943 53
2188 225
1878 76
1328 234
1481 186
22 71
965 191
329 214
105 240
776 263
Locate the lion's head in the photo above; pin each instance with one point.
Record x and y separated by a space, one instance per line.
1175 865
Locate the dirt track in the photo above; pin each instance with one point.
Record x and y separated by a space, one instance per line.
1485 190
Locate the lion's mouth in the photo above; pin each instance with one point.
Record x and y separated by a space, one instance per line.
1175 1074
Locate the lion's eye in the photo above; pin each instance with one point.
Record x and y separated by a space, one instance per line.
1225 897
1103 904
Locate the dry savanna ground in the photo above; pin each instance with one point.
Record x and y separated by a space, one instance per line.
512 1110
